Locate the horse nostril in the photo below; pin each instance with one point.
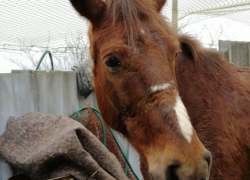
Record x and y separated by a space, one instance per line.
171 173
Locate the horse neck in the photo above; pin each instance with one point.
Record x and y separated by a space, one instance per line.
211 83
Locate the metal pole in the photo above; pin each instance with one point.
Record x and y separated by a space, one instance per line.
175 15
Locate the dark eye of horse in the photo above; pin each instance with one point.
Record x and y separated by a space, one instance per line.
176 54
113 63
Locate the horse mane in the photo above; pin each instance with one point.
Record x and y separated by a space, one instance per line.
204 59
132 12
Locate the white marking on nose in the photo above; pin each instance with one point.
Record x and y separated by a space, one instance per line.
142 31
183 119
160 87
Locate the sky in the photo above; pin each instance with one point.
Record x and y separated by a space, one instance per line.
230 30
220 28
5 65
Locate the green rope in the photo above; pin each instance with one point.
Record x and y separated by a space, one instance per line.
97 112
99 117
41 59
123 153
127 156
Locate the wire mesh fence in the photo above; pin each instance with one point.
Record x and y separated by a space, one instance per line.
51 23
29 27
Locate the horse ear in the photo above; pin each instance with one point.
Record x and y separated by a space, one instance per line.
160 4
93 10
190 47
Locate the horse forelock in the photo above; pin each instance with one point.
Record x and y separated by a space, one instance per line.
133 22
131 13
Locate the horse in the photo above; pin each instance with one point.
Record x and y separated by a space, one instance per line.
133 51
216 94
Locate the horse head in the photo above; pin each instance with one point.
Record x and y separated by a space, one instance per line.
133 51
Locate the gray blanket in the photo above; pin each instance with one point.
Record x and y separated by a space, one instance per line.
45 146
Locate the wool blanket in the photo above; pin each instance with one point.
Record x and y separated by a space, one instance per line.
44 146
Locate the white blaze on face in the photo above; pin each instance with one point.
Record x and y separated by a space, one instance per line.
180 110
183 119
160 87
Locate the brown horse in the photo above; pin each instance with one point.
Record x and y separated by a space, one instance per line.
133 52
216 94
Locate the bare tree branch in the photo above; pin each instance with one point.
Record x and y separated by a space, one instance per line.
213 36
76 49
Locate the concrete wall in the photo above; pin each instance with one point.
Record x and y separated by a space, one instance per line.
30 91
54 92
235 52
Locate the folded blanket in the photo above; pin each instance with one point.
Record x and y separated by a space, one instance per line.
45 146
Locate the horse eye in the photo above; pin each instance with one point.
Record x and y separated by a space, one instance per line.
176 54
113 63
